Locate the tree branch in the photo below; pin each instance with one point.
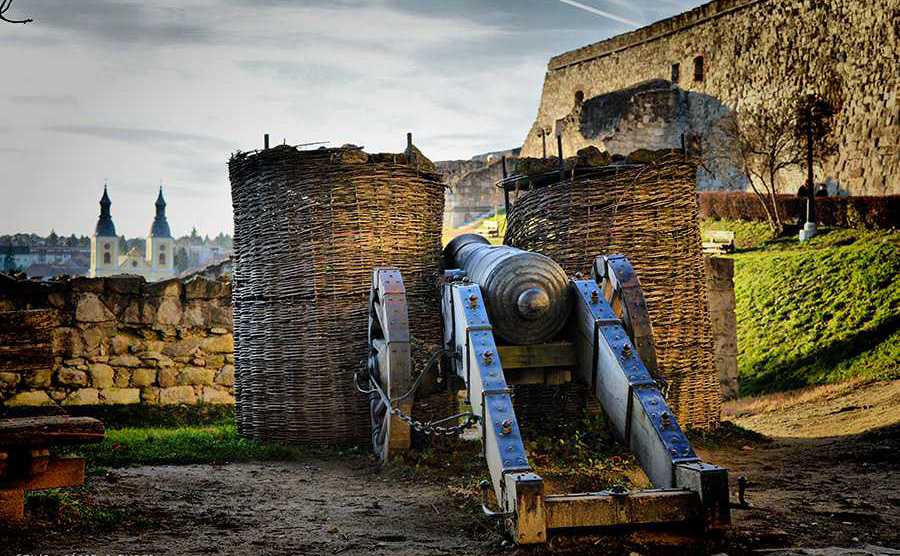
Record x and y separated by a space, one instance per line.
5 5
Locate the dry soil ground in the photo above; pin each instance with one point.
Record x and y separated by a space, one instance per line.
829 476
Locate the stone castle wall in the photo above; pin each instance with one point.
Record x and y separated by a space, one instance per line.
753 51
118 340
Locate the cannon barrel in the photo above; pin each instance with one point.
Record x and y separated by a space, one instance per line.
526 293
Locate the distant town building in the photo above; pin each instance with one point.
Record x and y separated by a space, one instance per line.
156 263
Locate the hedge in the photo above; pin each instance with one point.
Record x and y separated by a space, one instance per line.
841 212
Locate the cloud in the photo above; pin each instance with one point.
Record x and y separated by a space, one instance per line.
44 99
147 137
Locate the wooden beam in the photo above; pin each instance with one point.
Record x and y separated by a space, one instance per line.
556 354
607 509
40 432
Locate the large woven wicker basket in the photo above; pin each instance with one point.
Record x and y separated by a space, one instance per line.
309 228
649 213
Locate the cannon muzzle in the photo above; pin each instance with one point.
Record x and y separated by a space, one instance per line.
526 293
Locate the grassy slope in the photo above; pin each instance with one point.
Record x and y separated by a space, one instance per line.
816 313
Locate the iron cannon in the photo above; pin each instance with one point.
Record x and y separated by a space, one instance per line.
511 317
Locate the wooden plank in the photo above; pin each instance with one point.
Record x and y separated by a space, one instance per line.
557 354
62 472
606 509
47 431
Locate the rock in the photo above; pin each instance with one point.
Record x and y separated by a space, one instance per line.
57 395
150 395
122 377
74 362
66 342
169 312
198 362
229 358
177 395
91 309
166 288
143 377
38 378
72 377
218 330
84 396
115 396
57 300
29 398
93 340
119 344
182 348
124 361
225 377
99 359
152 359
196 376
101 375
85 284
213 395
168 377
218 344
9 380
215 360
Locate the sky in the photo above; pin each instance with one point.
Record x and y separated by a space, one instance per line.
143 93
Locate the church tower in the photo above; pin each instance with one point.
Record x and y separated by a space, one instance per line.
104 243
160 245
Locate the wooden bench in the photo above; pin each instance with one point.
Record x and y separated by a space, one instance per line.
26 463
718 242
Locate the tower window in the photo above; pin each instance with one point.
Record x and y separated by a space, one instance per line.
698 68
162 258
134 264
106 258
162 247
106 246
676 73
579 97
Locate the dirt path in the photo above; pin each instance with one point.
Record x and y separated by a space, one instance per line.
319 507
829 477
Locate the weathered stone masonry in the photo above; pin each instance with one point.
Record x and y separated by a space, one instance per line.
759 50
116 340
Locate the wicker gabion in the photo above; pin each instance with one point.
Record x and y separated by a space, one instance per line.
648 212
309 228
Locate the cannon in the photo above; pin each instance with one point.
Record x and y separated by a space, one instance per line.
512 316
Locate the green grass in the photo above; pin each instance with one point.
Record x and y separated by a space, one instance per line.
747 235
218 443
819 312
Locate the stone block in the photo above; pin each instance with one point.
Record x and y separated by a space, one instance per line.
150 395
85 284
93 340
215 360
229 358
29 398
9 380
125 361
218 330
122 377
225 376
84 396
196 376
66 342
89 308
167 377
169 312
125 285
38 378
120 396
72 377
177 395
153 359
119 344
57 394
166 288
218 344
143 377
212 395
101 375
182 347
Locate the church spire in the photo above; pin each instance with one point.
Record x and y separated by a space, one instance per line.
160 227
105 226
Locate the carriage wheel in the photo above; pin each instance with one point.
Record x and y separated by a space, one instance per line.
389 361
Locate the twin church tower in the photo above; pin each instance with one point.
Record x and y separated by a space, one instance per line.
156 263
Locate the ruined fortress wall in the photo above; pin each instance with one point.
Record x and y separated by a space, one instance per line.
762 50
115 341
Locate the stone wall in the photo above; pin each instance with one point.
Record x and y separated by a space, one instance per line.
117 340
720 291
471 191
756 51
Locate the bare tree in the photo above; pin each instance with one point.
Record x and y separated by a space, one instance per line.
5 5
761 141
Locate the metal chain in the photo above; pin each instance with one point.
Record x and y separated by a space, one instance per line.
433 428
